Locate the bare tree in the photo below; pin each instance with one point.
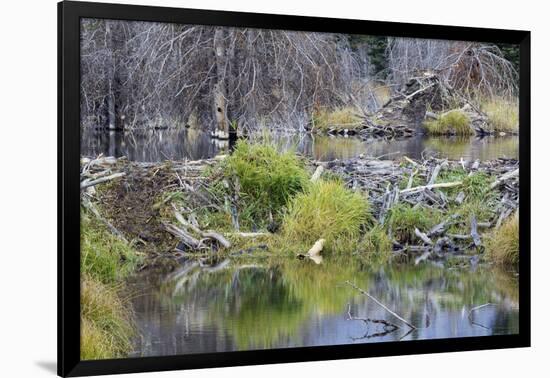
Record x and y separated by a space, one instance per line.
155 74
469 67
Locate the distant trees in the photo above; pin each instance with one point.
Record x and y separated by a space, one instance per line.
143 74
136 73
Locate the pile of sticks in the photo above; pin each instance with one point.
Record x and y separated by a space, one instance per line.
383 181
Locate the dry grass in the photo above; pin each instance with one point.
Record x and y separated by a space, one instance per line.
106 325
503 114
503 243
343 118
327 210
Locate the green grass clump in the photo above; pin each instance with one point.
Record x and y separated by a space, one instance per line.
503 114
376 245
329 211
404 218
106 319
267 179
343 118
106 325
453 122
502 246
104 256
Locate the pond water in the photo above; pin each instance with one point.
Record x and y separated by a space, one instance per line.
159 145
293 303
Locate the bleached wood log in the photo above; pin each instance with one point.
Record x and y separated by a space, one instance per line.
85 184
432 186
317 174
208 234
316 249
422 236
504 177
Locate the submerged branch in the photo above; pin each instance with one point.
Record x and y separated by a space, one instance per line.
380 304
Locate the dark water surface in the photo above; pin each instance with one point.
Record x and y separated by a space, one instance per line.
297 303
192 144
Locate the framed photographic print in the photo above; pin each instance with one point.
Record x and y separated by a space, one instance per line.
240 188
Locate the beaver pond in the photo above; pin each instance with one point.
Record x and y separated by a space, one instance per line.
232 306
160 145
246 301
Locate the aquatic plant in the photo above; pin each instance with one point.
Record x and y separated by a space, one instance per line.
453 122
502 245
327 210
343 118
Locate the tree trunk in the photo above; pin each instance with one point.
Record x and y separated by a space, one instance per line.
220 92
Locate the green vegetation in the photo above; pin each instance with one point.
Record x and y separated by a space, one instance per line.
327 210
503 243
267 179
106 325
104 257
404 218
503 114
376 245
453 122
343 118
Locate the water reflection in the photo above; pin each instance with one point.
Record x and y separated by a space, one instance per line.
159 145
297 303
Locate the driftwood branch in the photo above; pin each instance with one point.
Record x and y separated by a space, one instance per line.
208 234
380 304
317 174
86 184
432 186
504 177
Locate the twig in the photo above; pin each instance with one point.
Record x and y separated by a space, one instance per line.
380 304
470 313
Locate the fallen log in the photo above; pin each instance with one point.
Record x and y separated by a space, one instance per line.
422 236
207 235
86 184
504 177
317 174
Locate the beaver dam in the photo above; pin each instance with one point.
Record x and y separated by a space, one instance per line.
259 249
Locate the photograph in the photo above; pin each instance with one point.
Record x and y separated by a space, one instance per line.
251 189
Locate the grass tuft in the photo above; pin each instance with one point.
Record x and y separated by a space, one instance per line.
106 325
327 210
403 219
104 256
106 319
453 122
376 245
503 243
267 180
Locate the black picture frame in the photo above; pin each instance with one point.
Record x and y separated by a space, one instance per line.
69 14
